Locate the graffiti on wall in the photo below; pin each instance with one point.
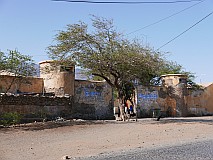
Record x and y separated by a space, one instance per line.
88 93
152 96
147 96
146 99
91 92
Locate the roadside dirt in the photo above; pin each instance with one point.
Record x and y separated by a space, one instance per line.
54 140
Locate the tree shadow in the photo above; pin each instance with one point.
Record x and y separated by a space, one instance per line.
203 120
48 125
54 124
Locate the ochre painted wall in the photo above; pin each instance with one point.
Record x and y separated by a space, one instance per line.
29 84
201 101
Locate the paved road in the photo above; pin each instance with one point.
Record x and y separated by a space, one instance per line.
193 151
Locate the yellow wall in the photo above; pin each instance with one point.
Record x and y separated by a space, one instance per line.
201 101
207 99
29 84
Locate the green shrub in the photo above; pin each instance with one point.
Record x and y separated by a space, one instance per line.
10 118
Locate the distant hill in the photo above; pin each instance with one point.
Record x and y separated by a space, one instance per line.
80 75
37 74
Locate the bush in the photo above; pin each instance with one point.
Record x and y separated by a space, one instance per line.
8 119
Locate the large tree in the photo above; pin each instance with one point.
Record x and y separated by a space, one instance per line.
106 53
18 65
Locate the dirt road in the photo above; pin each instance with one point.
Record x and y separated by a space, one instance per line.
52 141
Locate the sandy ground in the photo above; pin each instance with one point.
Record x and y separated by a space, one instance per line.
52 141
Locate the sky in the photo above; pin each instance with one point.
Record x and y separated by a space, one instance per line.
30 26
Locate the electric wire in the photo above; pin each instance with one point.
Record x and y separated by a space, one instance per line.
186 30
163 19
151 2
127 2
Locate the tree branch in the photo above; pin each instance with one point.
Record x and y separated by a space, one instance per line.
104 77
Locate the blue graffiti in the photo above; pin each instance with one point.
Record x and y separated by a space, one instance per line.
92 93
147 96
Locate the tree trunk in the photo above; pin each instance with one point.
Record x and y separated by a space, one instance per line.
10 85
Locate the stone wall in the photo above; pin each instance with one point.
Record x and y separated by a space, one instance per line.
174 102
146 100
36 107
169 97
93 100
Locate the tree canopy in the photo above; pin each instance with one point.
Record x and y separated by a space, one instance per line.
106 53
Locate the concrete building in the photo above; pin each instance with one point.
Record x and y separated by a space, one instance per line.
173 79
176 88
57 79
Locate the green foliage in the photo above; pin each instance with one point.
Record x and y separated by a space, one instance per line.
10 118
107 54
2 60
171 68
193 86
115 94
18 65
128 90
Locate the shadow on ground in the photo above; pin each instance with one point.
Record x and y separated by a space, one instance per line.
47 125
207 120
53 124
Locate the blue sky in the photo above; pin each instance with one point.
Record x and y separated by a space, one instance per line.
30 26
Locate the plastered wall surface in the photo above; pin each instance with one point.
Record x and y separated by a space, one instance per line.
27 84
200 102
57 79
93 99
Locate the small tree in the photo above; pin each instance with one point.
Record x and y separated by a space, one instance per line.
17 65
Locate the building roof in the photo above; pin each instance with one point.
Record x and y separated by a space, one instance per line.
46 61
179 75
